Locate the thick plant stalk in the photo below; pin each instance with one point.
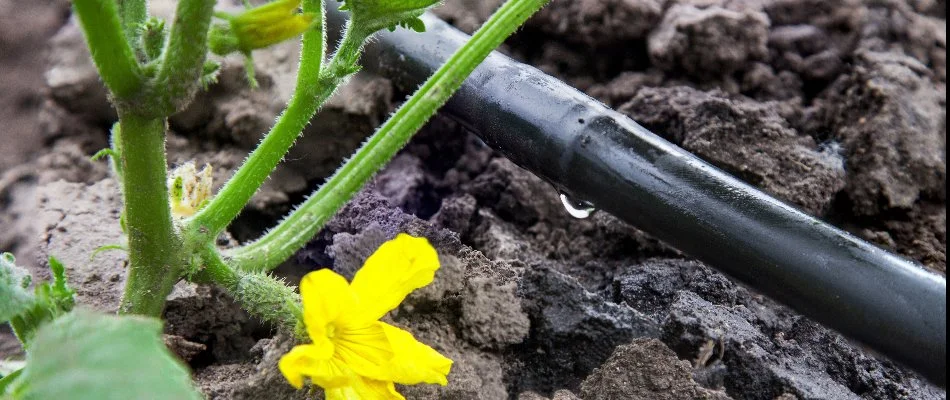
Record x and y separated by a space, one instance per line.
154 248
302 224
598 155
156 259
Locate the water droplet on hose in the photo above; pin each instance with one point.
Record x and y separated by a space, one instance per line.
577 208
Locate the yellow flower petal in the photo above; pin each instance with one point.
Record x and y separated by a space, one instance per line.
270 23
312 361
332 373
414 362
366 350
293 364
397 268
270 12
365 389
326 298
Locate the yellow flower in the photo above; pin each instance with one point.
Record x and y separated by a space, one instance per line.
259 27
270 23
353 355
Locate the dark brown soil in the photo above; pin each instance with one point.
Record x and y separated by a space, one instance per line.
836 107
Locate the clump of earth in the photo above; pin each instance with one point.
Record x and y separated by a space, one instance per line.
835 107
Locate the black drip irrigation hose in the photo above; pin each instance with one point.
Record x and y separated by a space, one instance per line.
600 156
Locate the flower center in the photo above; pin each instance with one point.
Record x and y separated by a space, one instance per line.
331 330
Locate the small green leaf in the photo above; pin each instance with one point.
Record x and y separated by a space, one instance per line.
61 293
153 37
27 312
415 24
7 380
115 142
209 73
89 356
105 248
15 296
103 154
373 15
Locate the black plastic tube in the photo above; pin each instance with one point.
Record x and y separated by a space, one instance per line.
601 156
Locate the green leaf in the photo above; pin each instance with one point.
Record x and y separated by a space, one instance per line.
26 310
8 380
209 73
89 356
15 296
107 247
153 37
61 295
370 16
107 152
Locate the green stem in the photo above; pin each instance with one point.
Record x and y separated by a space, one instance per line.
184 55
154 249
302 224
314 86
260 294
215 270
110 50
132 14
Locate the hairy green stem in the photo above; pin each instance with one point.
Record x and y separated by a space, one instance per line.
302 224
262 295
155 263
314 87
184 55
132 14
108 46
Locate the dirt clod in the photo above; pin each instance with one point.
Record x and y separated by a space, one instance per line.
492 315
644 369
687 39
888 113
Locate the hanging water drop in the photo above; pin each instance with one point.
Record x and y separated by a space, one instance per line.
577 208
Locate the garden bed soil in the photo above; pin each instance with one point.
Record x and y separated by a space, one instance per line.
836 107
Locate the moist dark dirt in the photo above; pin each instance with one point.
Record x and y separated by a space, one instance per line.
835 107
